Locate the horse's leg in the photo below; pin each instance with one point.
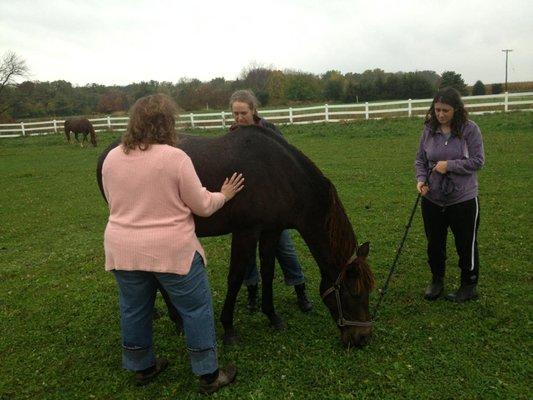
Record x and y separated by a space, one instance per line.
242 254
77 139
267 253
67 134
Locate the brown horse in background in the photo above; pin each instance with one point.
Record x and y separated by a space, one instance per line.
284 189
80 125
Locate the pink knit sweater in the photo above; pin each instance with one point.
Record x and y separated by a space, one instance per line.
152 196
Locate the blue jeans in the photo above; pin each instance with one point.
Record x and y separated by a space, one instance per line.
191 296
288 261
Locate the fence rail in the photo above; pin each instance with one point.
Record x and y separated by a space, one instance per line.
301 115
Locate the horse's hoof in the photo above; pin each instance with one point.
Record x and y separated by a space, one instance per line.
230 340
278 324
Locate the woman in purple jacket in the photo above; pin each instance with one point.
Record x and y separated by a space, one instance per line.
449 155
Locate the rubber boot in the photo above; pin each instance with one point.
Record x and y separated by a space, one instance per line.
303 302
252 298
434 289
464 293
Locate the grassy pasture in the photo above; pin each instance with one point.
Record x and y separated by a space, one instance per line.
59 323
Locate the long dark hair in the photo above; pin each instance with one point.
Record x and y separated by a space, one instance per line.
450 96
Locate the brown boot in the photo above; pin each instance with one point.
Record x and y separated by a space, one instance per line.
225 377
148 375
303 302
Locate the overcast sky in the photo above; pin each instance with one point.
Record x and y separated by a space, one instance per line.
120 42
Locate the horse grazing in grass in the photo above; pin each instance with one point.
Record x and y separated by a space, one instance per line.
283 189
80 125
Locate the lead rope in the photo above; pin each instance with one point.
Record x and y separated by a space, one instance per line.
383 290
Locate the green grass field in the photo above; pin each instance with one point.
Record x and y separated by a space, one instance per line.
59 321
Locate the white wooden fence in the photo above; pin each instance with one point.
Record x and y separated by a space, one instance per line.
301 115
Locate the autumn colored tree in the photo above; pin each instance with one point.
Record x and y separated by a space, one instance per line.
111 101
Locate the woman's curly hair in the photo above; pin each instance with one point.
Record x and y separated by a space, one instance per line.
152 121
451 97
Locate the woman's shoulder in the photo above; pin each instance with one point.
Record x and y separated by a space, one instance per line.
171 153
426 130
114 154
470 127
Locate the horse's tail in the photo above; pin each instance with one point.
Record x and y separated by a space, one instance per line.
67 130
93 134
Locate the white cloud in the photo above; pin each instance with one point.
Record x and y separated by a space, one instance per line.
118 42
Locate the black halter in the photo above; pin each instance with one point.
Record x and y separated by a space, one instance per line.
337 289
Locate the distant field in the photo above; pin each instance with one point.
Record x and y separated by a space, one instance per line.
59 322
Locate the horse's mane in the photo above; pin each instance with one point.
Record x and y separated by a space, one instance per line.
343 242
342 239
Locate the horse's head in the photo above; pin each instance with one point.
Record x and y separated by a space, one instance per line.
346 296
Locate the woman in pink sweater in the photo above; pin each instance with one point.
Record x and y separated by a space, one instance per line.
153 191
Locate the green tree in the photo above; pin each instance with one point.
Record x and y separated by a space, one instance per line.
276 87
334 85
303 87
478 89
393 87
455 80
186 94
416 86
256 77
351 93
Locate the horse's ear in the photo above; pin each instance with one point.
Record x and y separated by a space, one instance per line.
363 250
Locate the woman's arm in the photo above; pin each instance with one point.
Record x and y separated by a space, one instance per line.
201 201
421 162
476 155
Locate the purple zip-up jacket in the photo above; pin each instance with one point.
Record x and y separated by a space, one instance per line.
465 156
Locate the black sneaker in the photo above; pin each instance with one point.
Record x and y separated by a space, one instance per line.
148 375
464 293
434 290
226 376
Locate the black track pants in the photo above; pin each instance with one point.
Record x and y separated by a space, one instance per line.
463 220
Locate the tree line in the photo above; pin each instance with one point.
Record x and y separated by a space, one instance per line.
34 99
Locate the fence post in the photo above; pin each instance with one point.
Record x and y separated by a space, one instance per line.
192 120
290 115
366 110
109 122
55 126
409 107
506 102
223 120
23 130
326 113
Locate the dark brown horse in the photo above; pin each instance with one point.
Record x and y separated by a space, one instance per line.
80 125
284 189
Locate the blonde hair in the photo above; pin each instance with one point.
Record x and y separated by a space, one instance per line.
152 121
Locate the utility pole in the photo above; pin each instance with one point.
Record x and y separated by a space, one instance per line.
506 51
